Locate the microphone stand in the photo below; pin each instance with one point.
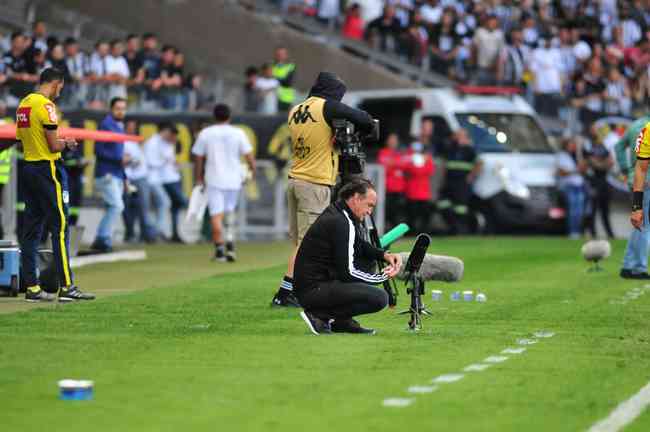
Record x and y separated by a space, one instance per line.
415 286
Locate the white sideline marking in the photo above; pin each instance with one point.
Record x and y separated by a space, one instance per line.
398 402
477 367
625 412
527 341
449 378
80 261
513 350
422 389
544 334
495 359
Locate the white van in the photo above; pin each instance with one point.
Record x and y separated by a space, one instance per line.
516 189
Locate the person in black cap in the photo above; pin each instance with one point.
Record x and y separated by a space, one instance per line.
314 163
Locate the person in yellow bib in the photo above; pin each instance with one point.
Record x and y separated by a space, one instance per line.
45 185
314 164
284 71
642 150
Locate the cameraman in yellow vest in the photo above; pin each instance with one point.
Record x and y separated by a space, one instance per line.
315 162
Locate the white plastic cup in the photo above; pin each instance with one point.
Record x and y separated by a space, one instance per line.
436 295
481 298
468 296
455 296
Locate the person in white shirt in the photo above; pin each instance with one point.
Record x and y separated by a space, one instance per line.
158 158
546 67
266 87
218 151
97 69
136 202
117 70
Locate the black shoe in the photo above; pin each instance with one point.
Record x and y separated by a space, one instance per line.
176 239
629 274
350 326
289 300
39 296
100 247
73 293
231 256
316 325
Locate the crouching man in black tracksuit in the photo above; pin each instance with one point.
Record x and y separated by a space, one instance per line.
333 279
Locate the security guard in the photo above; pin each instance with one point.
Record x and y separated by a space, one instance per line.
462 168
45 185
314 162
284 72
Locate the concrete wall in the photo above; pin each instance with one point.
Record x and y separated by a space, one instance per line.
224 35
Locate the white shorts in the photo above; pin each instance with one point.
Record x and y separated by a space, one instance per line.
222 200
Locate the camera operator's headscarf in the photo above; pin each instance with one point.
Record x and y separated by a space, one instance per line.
328 86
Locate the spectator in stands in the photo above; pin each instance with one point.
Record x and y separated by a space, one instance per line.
182 100
136 198
74 91
117 70
431 11
353 23
418 169
516 60
284 71
251 96
328 12
109 175
160 157
39 36
595 91
392 159
546 66
266 87
171 79
149 58
134 61
19 81
488 43
384 32
570 182
196 99
56 59
445 44
98 76
617 94
415 41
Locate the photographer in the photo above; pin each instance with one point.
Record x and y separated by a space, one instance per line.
334 264
315 162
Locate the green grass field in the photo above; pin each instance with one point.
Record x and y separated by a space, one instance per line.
194 347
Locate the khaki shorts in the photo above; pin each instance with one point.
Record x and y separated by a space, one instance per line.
306 201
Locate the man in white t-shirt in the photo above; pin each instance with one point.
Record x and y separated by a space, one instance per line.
117 70
218 150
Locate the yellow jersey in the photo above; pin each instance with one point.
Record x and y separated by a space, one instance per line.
642 147
314 158
34 115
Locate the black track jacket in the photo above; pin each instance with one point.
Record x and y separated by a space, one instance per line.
334 249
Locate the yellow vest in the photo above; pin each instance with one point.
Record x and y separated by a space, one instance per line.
314 158
5 165
280 72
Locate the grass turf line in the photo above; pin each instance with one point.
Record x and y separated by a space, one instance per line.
210 354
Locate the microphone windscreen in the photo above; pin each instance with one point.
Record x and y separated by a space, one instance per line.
595 250
436 268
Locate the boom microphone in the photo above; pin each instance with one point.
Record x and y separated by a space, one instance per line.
434 268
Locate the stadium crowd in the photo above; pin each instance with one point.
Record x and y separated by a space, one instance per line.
574 58
137 68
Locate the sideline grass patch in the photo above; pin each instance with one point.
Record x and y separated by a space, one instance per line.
211 355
